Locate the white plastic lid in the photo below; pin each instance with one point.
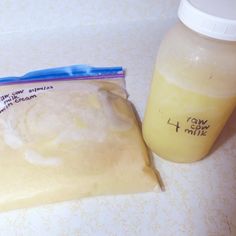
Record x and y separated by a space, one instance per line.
213 18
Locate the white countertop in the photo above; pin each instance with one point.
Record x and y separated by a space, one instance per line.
200 198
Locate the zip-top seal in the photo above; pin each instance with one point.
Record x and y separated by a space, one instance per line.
74 72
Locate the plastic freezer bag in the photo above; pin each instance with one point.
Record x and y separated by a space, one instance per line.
67 133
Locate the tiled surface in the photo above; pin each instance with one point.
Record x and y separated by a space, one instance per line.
200 198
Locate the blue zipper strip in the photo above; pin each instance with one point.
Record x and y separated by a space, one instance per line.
64 73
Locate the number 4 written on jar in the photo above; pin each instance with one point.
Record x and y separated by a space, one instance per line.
198 127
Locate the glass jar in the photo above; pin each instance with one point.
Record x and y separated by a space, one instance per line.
193 91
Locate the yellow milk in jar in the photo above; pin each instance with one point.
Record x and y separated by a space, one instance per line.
193 91
182 125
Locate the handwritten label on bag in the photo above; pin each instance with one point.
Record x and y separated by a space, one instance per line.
21 95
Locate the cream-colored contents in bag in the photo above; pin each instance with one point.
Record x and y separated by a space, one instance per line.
66 140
